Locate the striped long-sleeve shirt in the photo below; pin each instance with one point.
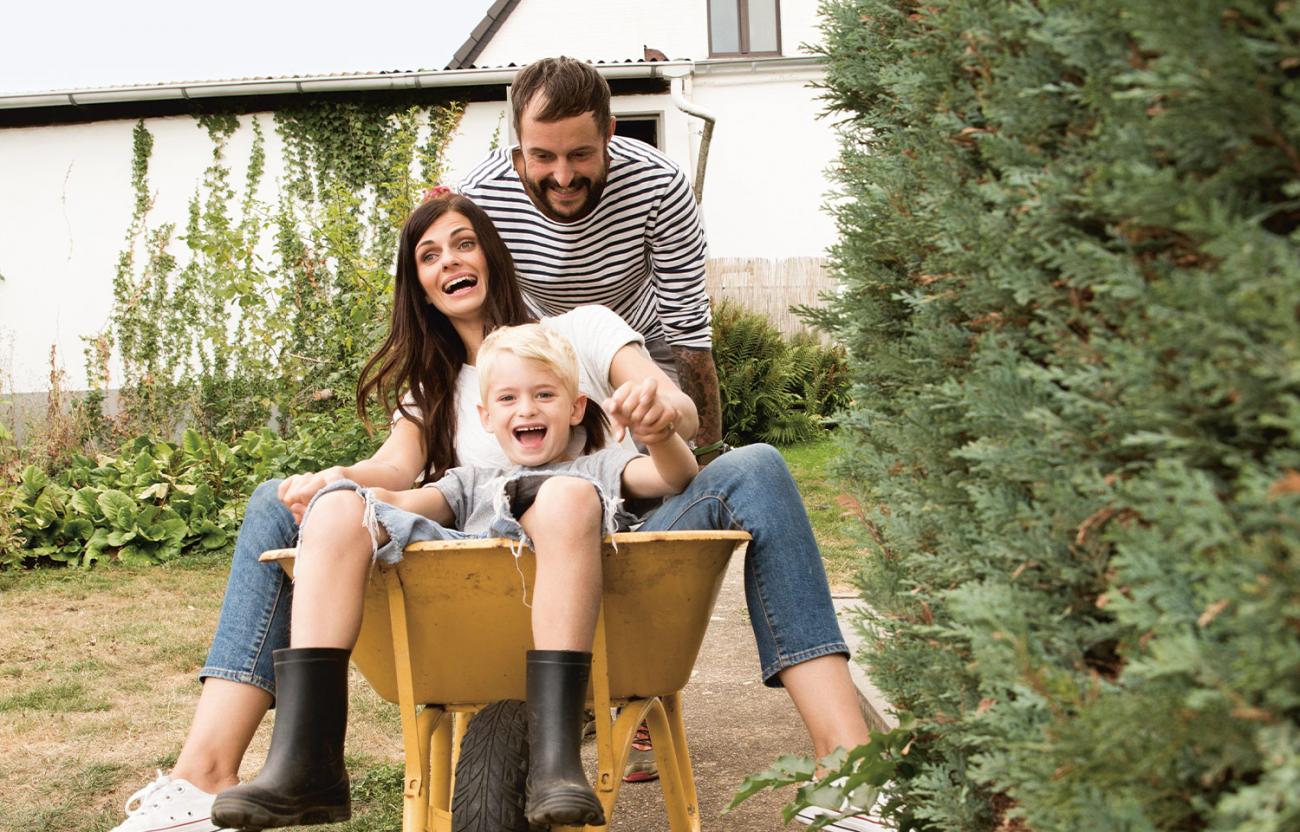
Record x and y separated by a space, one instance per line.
641 252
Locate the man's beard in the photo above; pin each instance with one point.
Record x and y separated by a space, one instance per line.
537 190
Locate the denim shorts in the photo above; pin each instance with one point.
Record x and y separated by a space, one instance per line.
404 527
512 494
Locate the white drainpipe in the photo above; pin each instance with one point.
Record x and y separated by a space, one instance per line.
677 85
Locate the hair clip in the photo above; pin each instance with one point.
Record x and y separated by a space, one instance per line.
434 192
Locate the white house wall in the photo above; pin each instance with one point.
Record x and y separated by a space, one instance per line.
765 181
618 30
64 215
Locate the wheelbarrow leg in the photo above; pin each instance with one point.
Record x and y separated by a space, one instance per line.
681 753
664 719
436 736
676 778
419 728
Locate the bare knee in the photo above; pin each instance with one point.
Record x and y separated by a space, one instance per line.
335 526
564 502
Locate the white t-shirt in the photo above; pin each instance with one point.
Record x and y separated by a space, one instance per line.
596 334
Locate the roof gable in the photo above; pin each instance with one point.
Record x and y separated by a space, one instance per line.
483 32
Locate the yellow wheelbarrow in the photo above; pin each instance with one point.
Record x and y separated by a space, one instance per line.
444 636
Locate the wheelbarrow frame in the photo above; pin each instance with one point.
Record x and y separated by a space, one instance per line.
445 632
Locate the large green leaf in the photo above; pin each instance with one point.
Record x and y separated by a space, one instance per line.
118 508
34 481
45 511
174 530
192 443
78 528
157 491
95 547
135 555
145 469
86 501
120 537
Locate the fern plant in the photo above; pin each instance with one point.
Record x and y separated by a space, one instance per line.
773 390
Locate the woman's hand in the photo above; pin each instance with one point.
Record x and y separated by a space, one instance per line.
296 491
638 407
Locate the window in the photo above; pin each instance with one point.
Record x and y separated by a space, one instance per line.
642 127
744 27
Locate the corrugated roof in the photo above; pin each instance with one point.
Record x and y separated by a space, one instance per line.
390 80
244 79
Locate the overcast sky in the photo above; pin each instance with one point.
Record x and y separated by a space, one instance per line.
53 45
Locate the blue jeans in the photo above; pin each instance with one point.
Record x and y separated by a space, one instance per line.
749 488
789 600
254 619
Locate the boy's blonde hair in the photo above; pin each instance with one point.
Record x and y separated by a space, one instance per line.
534 342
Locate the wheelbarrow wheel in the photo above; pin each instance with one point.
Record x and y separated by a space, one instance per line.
492 772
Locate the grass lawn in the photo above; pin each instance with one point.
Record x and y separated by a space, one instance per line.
97 681
97 688
838 533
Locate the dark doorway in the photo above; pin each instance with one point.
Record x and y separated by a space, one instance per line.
642 128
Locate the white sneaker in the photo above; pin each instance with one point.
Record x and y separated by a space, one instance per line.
169 804
853 823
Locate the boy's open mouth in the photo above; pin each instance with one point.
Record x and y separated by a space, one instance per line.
530 436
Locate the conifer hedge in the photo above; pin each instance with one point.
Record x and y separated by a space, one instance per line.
1069 243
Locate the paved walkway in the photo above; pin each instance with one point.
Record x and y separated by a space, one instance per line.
735 725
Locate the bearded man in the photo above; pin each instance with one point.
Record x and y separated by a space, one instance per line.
591 217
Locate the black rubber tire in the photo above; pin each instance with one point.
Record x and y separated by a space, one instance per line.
492 772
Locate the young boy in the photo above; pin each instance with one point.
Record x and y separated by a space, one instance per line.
528 378
559 502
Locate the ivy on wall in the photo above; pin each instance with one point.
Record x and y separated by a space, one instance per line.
265 306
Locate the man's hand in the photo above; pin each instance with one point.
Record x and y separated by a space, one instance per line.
638 407
699 379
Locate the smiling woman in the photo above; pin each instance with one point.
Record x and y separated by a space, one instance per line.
452 266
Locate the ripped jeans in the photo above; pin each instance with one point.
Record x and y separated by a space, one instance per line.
749 488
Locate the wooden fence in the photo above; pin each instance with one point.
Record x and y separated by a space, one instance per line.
771 287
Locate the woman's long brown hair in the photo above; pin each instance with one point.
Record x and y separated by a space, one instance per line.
415 369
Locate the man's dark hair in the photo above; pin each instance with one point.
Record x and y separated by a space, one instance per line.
568 88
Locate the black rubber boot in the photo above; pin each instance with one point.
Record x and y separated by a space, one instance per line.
304 780
558 792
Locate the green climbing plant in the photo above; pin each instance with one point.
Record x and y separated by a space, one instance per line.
262 307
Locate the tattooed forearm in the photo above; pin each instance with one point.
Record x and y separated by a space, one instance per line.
699 380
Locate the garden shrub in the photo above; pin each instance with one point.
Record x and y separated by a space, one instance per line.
1069 252
773 390
153 500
